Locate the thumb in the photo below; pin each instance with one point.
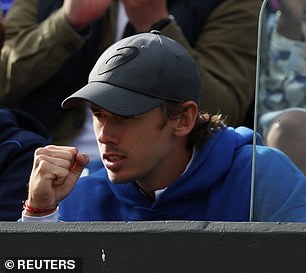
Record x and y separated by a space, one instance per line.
80 163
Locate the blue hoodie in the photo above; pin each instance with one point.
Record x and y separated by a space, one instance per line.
216 187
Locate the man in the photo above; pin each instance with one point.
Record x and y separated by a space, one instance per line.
164 160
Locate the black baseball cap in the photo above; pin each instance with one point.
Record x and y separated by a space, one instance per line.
138 74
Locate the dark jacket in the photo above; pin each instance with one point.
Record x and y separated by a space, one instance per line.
20 135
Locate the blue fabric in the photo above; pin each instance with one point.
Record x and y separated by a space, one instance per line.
20 135
280 188
216 187
6 4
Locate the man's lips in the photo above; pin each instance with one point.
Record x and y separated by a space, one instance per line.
113 161
112 157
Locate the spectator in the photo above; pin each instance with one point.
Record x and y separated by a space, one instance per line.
287 132
286 74
164 160
20 135
283 97
46 41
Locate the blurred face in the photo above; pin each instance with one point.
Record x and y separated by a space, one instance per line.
138 148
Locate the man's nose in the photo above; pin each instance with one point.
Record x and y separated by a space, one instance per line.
108 132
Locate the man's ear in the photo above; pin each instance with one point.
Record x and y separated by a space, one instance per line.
186 119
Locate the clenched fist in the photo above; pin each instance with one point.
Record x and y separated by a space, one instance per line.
55 172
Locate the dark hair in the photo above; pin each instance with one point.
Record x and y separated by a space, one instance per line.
205 125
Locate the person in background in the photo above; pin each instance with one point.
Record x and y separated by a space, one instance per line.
283 99
20 135
163 158
48 39
287 132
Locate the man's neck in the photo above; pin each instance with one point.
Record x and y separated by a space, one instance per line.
150 190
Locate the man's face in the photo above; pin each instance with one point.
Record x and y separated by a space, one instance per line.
138 148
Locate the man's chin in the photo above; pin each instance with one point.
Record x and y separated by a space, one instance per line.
117 179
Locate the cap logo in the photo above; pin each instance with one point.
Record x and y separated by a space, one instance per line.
123 56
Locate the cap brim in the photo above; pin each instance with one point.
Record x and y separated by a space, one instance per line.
113 99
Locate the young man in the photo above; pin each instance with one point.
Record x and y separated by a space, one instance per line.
164 160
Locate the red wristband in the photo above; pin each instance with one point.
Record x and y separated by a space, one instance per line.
36 210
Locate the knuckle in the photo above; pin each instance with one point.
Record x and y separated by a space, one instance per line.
39 151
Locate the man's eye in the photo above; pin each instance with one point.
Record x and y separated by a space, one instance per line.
127 117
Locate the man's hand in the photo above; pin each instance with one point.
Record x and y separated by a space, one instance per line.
144 13
55 172
81 13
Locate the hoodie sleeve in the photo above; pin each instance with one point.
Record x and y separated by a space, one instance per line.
279 188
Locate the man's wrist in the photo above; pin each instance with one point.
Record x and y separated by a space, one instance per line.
37 212
53 217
